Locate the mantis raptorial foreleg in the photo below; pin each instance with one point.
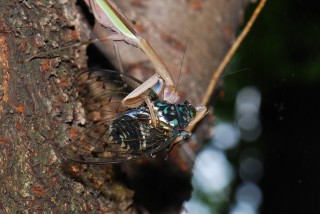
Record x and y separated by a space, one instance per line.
132 100
140 90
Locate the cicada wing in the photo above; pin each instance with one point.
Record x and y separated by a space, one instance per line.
95 147
123 139
101 93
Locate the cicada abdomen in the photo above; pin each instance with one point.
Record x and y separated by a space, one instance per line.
119 133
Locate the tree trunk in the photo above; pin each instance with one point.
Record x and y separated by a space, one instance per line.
37 105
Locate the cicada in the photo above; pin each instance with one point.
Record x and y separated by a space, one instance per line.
119 133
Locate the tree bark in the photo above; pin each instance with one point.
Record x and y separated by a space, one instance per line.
37 102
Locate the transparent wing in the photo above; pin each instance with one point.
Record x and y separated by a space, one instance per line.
101 93
96 146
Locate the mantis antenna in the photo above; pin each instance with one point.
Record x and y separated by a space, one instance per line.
184 53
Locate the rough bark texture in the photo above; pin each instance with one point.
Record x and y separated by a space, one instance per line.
37 102
37 111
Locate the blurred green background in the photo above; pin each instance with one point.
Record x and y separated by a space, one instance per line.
280 59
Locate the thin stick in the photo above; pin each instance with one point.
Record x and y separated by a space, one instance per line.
232 50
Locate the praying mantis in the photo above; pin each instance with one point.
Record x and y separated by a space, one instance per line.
109 15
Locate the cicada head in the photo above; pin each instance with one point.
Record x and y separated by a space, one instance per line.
185 113
178 116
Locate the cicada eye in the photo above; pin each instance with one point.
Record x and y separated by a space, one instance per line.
192 111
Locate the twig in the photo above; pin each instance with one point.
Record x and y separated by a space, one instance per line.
232 50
